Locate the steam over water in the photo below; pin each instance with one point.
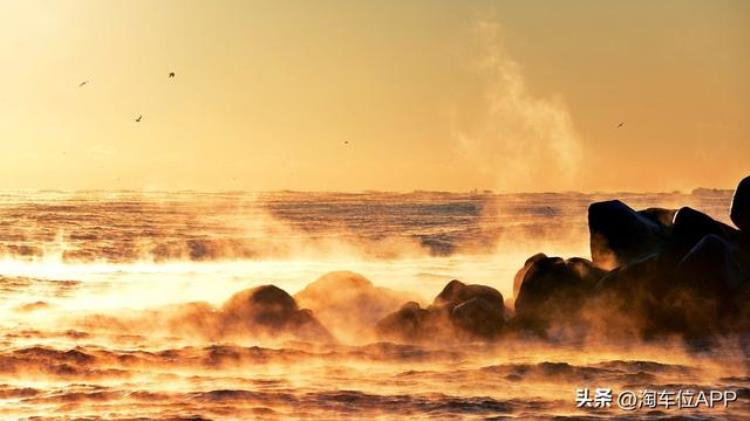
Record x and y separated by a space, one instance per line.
95 317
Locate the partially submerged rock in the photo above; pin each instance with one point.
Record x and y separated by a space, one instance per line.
691 226
460 311
620 235
740 209
476 311
412 323
553 290
269 311
518 279
456 292
654 272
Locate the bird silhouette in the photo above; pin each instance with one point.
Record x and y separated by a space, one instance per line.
620 125
83 83
171 74
138 120
346 142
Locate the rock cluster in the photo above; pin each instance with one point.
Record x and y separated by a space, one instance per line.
654 271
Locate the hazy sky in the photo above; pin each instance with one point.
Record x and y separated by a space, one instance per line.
439 95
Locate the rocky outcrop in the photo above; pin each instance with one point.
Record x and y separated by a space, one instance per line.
655 272
553 290
476 311
412 323
269 311
619 234
521 274
691 226
740 209
460 311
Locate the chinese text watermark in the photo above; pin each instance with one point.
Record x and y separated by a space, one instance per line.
630 400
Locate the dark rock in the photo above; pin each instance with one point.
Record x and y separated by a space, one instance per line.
460 311
620 235
700 295
475 310
691 226
631 280
712 267
662 216
740 209
629 299
553 290
518 279
711 285
670 272
266 304
411 323
585 269
456 292
479 317
269 310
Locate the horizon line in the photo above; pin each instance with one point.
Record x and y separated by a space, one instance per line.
696 190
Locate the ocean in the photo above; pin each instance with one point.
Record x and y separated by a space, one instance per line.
105 297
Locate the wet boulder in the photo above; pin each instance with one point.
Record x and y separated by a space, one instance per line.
412 323
713 267
629 299
479 318
662 216
268 310
585 270
619 234
632 281
669 272
456 292
553 290
701 294
518 278
711 284
691 226
740 209
459 312
475 310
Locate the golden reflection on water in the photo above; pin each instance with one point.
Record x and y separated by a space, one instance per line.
86 337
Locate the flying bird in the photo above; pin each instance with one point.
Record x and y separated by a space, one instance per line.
620 125
83 83
138 120
171 74
346 142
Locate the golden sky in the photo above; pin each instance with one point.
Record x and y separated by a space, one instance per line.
438 95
